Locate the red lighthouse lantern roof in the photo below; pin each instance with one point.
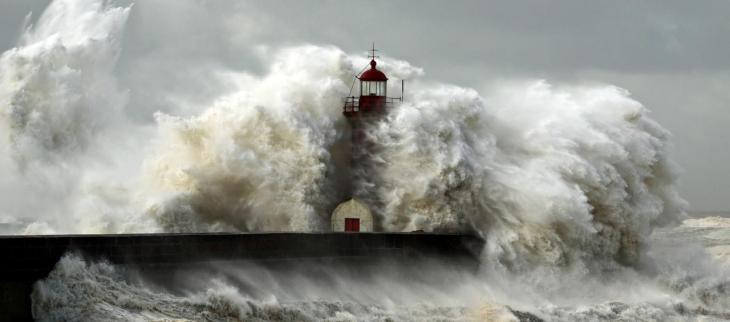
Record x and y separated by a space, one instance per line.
373 74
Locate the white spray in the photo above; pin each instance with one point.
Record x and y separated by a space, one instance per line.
564 182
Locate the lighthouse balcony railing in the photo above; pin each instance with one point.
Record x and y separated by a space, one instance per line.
393 100
352 103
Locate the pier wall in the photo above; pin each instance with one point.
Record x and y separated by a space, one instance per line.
27 259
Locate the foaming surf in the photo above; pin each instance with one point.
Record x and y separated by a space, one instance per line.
570 185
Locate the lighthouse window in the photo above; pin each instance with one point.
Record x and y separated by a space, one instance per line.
372 88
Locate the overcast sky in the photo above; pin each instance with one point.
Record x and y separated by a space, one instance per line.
673 56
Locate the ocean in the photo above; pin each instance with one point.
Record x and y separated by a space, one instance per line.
572 186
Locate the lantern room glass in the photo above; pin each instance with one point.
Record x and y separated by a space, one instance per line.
372 88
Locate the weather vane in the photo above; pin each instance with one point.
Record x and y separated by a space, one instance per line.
373 52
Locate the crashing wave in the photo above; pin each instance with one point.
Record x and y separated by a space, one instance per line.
556 176
57 87
566 183
78 290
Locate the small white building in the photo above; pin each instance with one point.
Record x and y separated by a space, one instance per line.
352 216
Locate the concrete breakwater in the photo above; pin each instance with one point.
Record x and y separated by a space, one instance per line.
29 258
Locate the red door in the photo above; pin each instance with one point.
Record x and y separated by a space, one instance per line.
352 224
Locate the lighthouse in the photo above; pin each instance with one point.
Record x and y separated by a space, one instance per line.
363 112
